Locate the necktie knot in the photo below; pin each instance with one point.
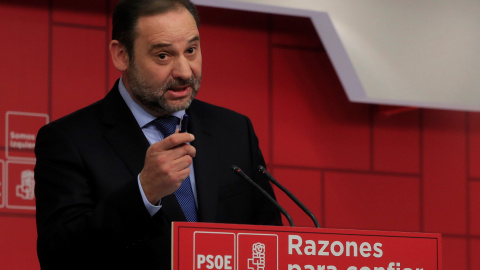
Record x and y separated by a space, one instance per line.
167 124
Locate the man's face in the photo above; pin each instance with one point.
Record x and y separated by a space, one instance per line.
166 71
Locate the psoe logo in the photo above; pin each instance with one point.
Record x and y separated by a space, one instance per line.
27 186
257 251
214 250
257 262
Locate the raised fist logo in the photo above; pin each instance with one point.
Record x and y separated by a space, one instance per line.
257 262
26 189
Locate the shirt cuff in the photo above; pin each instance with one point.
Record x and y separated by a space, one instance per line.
152 209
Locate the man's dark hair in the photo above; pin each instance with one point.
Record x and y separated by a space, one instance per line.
127 13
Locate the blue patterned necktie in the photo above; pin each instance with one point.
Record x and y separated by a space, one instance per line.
167 125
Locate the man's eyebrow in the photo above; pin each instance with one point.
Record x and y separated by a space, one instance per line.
166 45
160 45
194 39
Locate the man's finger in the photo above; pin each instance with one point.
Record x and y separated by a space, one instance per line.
173 141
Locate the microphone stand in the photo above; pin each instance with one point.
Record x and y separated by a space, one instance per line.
264 172
239 172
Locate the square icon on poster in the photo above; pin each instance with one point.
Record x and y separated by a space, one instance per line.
257 251
214 250
21 132
20 185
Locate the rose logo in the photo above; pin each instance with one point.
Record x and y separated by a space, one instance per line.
257 262
258 248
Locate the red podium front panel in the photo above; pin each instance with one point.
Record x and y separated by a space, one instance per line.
206 246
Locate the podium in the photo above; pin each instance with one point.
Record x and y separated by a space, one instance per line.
207 246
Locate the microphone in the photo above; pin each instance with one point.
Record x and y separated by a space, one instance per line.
264 172
239 172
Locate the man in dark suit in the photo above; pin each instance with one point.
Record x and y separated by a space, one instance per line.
108 178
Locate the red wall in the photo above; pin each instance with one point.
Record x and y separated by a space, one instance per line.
356 166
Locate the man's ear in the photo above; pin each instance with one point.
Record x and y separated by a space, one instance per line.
119 55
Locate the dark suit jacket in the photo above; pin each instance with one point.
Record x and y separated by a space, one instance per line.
90 214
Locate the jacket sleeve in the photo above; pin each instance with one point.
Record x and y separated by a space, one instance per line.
74 222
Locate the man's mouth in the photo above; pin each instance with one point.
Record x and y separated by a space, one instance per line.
180 88
180 91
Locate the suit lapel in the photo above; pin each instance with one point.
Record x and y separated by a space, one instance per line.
122 131
204 164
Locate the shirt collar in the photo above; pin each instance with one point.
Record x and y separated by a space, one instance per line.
143 117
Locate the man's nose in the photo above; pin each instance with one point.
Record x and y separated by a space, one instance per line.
182 68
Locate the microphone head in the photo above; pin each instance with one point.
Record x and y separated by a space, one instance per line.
261 169
236 169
